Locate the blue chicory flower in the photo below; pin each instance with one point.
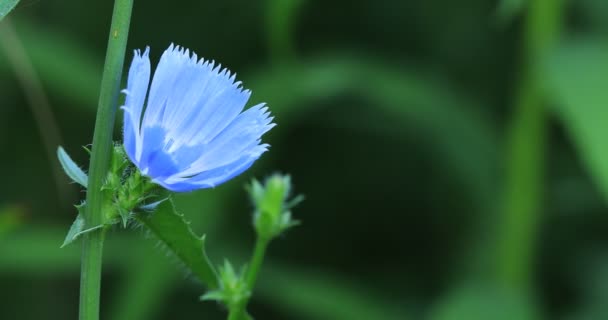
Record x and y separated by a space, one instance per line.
193 133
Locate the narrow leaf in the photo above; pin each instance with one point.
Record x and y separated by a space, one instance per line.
174 231
77 229
577 75
7 6
71 168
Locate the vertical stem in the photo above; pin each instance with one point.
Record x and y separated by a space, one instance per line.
92 244
238 312
525 166
256 262
280 22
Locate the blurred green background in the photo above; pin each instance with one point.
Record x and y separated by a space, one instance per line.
452 154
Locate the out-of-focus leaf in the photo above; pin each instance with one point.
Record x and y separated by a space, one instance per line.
71 168
63 64
577 75
175 233
10 218
315 295
484 302
280 20
35 251
595 13
508 9
416 99
7 6
141 297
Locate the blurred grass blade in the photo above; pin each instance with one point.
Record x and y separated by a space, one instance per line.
7 6
477 301
315 295
71 168
37 100
420 101
66 67
175 233
280 22
577 76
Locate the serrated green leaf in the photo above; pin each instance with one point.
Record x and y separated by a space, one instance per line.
7 6
174 231
71 168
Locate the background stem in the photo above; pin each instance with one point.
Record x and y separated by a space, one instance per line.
38 102
527 140
92 244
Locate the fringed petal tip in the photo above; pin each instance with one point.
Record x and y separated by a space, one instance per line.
184 55
193 132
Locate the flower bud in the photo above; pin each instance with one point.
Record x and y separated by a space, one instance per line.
272 216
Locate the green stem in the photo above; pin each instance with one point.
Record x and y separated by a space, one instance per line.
92 244
254 266
256 262
525 166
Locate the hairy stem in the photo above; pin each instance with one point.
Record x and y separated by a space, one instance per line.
238 312
92 244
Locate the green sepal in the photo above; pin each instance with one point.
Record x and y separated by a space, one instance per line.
71 168
124 216
214 295
175 233
233 290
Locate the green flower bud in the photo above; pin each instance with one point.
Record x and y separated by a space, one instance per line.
272 216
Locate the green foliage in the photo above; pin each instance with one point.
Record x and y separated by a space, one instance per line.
577 76
314 294
175 233
508 9
77 228
481 302
7 6
422 89
272 216
71 168
233 290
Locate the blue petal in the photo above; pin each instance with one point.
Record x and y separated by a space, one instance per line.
193 133
155 161
237 138
137 87
213 177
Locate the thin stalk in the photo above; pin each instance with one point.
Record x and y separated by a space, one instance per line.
37 100
92 243
254 266
526 154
